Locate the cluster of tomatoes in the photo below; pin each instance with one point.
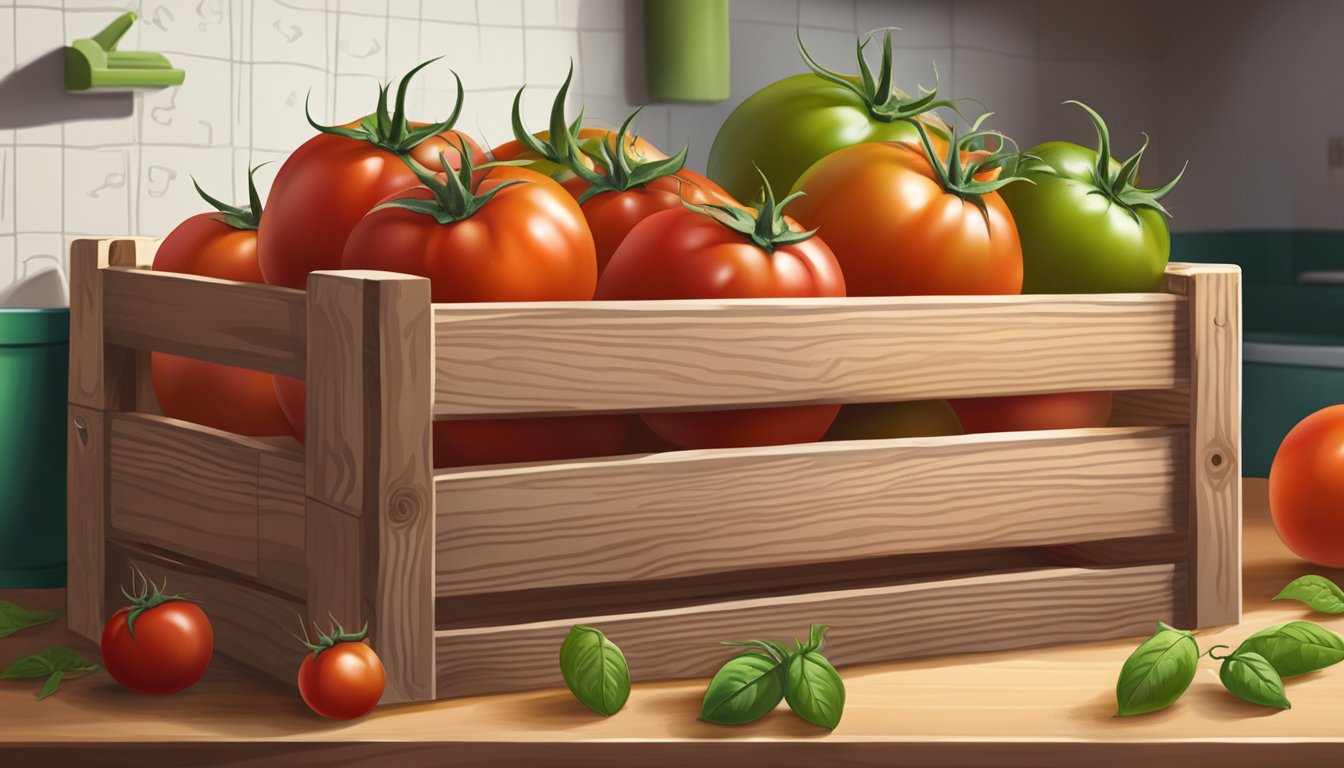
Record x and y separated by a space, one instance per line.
884 198
162 644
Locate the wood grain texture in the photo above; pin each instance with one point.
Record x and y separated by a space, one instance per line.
101 376
86 519
1001 611
615 356
684 513
191 491
281 542
335 567
1150 407
370 365
222 321
1214 293
250 623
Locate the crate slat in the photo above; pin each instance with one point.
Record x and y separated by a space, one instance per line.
679 514
995 612
221 321
614 356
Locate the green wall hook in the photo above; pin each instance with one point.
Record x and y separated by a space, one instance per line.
95 62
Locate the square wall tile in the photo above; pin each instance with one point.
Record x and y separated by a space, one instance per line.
43 32
199 114
1001 26
602 64
356 96
202 28
507 13
376 8
460 11
827 14
549 53
278 93
39 249
486 117
101 133
166 194
8 260
7 190
459 45
7 44
281 32
926 67
922 23
245 159
1003 84
37 189
501 58
97 191
362 46
770 11
696 124
596 14
571 15
402 9
403 47
541 13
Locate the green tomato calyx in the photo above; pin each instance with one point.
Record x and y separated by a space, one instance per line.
885 102
150 595
556 146
958 177
455 198
764 225
332 637
1118 184
624 170
248 217
392 132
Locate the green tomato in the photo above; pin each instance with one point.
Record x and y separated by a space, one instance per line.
1084 227
787 126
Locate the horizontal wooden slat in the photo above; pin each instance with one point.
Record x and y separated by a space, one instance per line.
614 356
200 492
685 513
250 623
242 324
996 612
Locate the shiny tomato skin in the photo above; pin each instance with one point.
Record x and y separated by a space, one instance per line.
343 682
325 188
896 232
1016 413
224 397
611 215
681 254
170 651
1306 488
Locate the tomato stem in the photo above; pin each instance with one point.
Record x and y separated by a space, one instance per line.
334 636
556 147
1118 184
624 170
392 131
959 178
884 101
238 218
149 596
767 228
454 199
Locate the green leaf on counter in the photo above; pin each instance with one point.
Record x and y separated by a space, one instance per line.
746 688
814 689
1318 592
1157 672
14 618
1251 677
595 670
1295 648
53 663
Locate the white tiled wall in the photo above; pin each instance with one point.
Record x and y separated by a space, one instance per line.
1145 64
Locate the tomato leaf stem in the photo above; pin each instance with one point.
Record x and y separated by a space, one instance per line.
392 131
767 228
884 101
1118 184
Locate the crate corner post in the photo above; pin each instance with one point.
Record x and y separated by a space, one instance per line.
1214 295
369 471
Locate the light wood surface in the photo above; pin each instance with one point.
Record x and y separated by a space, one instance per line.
1044 707
685 513
1214 293
281 540
221 321
610 356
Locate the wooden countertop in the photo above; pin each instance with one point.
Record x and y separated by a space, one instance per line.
1050 706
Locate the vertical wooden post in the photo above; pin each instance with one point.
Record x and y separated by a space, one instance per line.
1214 291
102 379
369 469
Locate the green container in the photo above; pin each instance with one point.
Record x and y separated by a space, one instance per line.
686 49
34 368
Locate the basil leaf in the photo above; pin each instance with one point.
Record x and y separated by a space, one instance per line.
1295 648
1320 593
814 689
51 685
746 688
1251 677
14 618
595 670
47 661
1157 672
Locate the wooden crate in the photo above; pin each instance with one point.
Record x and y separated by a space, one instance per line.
470 578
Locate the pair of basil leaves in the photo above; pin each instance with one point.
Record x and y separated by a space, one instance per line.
748 687
1163 666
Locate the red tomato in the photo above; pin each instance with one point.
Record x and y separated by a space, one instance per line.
682 254
159 644
221 245
342 678
1062 410
1306 488
897 231
333 179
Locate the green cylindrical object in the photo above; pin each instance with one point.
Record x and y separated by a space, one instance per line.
34 368
686 49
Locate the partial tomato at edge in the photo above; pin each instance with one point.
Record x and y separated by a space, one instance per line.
1306 488
1060 410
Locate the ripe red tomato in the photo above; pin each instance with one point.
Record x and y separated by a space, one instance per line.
159 644
342 678
1306 488
333 179
899 229
684 254
221 245
1061 410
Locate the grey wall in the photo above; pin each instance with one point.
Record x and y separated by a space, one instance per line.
1240 88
